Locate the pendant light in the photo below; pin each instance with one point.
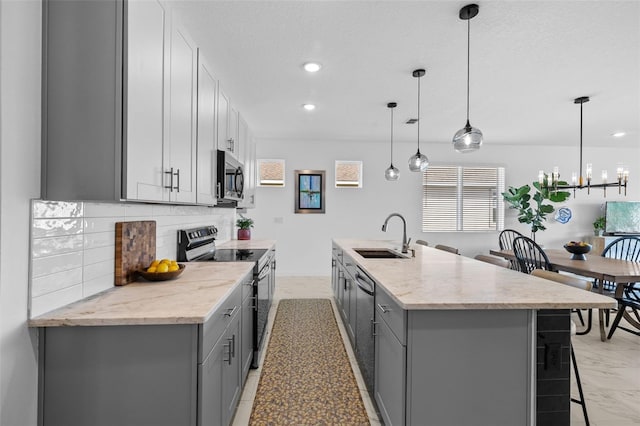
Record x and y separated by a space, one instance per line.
418 162
392 173
468 139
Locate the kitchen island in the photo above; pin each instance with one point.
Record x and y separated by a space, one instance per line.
150 353
458 341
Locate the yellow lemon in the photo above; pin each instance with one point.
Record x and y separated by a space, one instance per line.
173 268
173 262
162 267
165 261
155 263
151 268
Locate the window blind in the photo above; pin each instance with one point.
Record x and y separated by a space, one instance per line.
457 198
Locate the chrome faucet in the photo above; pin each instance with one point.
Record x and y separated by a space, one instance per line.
405 242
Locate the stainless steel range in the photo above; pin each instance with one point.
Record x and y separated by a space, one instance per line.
198 245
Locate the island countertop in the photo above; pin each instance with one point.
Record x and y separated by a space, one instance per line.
189 299
435 279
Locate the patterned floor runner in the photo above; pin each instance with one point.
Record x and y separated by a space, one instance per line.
306 375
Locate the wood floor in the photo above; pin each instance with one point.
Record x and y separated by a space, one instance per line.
610 371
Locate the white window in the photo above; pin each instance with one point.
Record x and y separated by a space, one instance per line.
270 172
348 174
456 198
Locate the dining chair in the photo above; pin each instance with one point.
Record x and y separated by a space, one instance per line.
584 285
422 242
493 259
625 248
447 248
529 255
505 241
630 299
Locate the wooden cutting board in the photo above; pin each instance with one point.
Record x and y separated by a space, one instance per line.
135 248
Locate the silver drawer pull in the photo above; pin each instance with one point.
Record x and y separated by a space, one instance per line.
384 308
230 312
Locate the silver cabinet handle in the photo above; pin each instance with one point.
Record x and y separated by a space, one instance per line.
230 312
373 327
233 346
170 173
384 308
348 264
227 345
219 190
177 174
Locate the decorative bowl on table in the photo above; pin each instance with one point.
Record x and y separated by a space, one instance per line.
161 276
578 249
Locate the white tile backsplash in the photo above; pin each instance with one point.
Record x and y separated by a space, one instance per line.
73 244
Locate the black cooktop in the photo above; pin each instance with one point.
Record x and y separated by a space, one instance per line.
235 255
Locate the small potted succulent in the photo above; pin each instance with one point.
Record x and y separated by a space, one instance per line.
598 225
244 225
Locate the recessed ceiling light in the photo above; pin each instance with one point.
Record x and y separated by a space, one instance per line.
309 107
312 67
618 134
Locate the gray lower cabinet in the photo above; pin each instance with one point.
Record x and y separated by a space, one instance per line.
136 375
390 365
246 347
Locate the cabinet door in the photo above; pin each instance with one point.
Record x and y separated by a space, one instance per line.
231 371
223 120
232 132
206 164
180 152
210 385
247 153
390 373
247 335
144 116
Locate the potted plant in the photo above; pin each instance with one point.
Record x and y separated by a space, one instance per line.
244 225
534 214
598 225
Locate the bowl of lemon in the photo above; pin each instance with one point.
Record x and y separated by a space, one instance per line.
578 249
162 270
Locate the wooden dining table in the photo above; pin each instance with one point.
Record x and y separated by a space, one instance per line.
620 272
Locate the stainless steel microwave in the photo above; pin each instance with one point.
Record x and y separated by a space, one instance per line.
230 185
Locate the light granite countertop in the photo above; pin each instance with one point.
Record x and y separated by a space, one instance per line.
189 299
435 279
247 244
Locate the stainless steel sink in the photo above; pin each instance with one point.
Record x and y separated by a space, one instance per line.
373 253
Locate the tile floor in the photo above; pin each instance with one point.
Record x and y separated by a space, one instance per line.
610 371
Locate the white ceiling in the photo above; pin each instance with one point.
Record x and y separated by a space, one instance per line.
529 60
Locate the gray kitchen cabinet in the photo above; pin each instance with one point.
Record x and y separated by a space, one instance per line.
206 167
349 298
131 375
390 360
246 347
119 103
227 136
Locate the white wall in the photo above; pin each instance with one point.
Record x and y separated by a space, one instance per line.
20 35
304 239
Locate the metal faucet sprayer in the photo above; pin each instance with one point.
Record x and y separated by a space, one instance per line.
405 242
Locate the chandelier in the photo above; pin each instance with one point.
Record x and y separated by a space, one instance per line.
551 181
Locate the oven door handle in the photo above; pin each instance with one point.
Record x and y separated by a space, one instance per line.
367 287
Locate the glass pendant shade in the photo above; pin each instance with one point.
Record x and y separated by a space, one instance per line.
391 173
467 139
418 162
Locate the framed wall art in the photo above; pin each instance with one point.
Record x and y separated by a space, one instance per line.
310 187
